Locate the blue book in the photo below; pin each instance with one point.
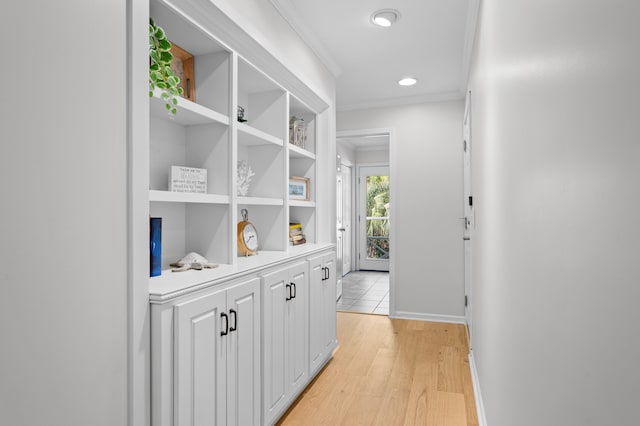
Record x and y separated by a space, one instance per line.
155 245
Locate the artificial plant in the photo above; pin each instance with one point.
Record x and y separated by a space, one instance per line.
160 73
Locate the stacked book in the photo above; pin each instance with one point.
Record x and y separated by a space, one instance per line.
296 236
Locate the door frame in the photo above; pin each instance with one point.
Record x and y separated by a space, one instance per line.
390 132
350 235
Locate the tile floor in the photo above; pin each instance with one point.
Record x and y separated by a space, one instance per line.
365 291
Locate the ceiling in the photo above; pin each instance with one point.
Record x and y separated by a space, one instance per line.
365 143
431 41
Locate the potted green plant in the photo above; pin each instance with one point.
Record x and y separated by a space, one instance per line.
161 75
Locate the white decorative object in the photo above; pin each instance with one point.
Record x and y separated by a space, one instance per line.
192 260
188 179
244 177
297 131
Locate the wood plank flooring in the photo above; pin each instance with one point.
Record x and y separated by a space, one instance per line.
391 372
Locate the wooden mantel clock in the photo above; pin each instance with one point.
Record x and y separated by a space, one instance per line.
247 236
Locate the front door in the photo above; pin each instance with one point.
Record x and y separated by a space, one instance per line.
373 217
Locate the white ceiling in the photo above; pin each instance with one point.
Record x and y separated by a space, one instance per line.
432 42
365 143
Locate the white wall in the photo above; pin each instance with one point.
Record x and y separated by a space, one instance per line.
428 177
555 176
373 156
346 153
63 250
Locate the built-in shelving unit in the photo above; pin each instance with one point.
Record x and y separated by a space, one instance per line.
236 344
207 134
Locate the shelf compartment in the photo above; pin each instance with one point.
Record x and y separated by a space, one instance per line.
260 201
187 227
301 203
307 218
187 197
250 136
270 222
297 152
300 110
211 59
204 146
189 113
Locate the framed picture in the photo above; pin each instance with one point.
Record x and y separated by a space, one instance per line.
182 66
299 188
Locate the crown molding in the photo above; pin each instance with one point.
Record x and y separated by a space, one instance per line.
405 100
286 9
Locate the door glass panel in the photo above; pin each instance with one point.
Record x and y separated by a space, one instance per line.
378 217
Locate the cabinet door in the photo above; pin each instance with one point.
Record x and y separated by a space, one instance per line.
199 364
316 313
275 292
243 360
329 300
297 326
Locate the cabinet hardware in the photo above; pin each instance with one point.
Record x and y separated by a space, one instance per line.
287 298
293 286
234 314
226 324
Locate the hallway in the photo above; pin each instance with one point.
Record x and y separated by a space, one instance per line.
365 292
391 372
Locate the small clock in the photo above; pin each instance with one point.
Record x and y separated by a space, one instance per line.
247 236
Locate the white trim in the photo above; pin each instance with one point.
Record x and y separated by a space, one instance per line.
286 9
405 100
469 39
456 319
482 418
391 133
138 310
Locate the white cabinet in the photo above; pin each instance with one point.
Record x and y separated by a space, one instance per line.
285 337
322 310
216 358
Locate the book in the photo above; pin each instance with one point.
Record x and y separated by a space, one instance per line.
155 246
298 242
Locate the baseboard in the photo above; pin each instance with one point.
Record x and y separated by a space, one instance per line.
482 419
427 317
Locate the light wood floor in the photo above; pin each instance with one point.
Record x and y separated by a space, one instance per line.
391 372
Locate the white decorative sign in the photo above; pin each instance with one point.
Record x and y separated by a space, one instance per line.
188 179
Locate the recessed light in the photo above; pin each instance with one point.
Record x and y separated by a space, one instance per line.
385 17
408 81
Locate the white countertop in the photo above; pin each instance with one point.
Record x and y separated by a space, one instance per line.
170 285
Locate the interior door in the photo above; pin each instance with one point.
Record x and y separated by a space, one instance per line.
340 234
468 219
347 213
373 218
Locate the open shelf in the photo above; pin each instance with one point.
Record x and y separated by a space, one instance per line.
250 136
300 203
189 113
260 201
297 152
187 197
